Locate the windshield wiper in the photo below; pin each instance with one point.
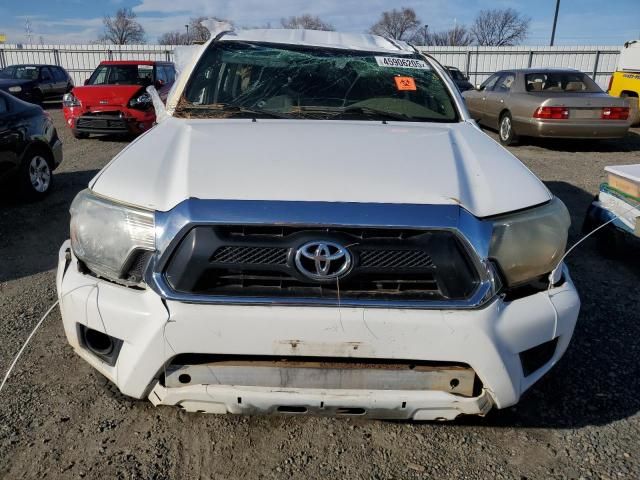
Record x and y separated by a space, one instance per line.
252 111
233 109
374 111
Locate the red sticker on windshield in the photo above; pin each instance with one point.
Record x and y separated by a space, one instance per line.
405 84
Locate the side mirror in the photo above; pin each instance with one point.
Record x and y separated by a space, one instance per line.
479 87
86 81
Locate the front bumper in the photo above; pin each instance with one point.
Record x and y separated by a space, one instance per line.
155 331
571 128
102 121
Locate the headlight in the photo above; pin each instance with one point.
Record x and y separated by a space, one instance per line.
108 237
530 244
70 100
143 101
16 89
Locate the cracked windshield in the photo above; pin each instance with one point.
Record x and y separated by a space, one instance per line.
236 79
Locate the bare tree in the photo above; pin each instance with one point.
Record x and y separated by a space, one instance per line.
173 38
500 27
400 24
458 36
123 29
306 21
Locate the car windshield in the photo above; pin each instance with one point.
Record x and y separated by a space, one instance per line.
456 74
238 78
568 82
21 72
122 75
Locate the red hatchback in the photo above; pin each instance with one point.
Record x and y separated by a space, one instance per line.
114 100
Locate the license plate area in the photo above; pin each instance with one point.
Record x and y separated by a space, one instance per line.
323 373
585 113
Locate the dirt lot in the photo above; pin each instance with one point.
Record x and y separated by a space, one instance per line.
61 419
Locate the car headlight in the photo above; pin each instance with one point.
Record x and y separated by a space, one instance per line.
142 101
16 89
70 100
530 244
110 237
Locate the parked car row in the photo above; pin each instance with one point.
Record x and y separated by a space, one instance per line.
548 103
113 100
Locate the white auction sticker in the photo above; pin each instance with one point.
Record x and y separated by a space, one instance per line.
396 62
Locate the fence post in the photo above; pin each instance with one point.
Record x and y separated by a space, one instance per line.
530 58
595 65
2 64
168 55
475 73
468 63
109 54
56 56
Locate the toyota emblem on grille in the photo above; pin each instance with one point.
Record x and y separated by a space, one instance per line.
323 260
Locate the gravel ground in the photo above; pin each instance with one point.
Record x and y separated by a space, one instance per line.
61 419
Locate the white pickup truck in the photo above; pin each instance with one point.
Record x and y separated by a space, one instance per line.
317 226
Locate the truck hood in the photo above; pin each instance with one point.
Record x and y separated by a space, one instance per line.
106 95
309 160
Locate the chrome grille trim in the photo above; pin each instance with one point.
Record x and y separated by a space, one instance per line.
474 233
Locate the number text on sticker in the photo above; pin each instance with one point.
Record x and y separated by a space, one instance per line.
395 62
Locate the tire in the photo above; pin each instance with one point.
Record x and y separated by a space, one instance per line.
634 109
80 135
506 132
36 174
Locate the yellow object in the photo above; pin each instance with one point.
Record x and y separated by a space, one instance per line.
625 81
3 38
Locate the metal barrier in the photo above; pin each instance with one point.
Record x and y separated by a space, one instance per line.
480 62
477 62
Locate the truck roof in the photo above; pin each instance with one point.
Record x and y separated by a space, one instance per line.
317 38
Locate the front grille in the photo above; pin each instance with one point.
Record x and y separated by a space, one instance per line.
101 122
255 261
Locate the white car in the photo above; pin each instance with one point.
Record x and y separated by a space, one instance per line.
317 226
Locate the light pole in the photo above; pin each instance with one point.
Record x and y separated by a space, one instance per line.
555 21
187 26
426 34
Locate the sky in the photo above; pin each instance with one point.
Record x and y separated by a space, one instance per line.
581 22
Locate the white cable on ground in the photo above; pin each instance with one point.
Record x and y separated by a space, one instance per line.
15 360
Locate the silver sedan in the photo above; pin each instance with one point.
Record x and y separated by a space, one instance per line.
547 103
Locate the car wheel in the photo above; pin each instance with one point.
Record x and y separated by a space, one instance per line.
505 130
80 135
36 175
634 109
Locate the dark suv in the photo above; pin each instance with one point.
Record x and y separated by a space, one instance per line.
35 83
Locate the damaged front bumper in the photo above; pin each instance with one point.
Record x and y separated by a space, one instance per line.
494 343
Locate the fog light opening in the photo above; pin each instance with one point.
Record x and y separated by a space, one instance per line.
292 409
184 378
454 383
538 356
98 342
350 411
